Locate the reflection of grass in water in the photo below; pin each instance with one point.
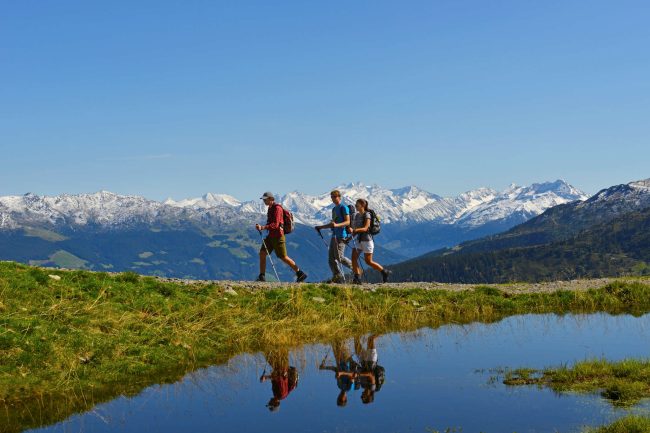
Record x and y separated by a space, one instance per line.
69 344
628 424
623 383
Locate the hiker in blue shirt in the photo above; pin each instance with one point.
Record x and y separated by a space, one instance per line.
344 370
340 237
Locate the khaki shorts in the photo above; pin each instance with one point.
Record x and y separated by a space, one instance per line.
278 245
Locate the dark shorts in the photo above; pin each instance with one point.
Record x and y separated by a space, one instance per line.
278 245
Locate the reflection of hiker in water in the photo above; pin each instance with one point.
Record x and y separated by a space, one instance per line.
370 375
344 369
284 378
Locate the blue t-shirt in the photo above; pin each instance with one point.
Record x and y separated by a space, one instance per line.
340 212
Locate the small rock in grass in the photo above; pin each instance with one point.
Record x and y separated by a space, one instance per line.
318 299
415 303
231 292
55 277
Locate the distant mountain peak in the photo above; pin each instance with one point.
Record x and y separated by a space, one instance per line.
411 191
641 184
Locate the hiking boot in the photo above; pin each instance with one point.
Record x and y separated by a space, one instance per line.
300 276
261 277
338 279
385 274
356 280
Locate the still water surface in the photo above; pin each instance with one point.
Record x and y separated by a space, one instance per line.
433 379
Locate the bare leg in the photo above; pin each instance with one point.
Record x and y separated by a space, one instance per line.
262 262
291 263
340 351
371 342
372 264
358 348
355 262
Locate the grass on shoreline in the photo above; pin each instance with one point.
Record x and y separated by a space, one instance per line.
84 337
628 424
623 383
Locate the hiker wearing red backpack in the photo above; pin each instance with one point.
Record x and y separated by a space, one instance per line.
275 240
284 378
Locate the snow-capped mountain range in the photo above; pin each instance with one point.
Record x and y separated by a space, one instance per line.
413 205
405 205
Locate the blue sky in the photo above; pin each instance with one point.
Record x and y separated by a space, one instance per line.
163 98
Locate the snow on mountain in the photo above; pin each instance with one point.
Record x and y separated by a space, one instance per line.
207 201
619 198
409 204
521 203
404 205
103 208
472 208
641 185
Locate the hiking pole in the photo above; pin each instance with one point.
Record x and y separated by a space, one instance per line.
322 363
268 254
340 265
321 236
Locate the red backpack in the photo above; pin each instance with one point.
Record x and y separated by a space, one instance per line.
287 220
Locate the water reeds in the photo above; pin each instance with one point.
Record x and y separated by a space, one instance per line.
623 383
627 424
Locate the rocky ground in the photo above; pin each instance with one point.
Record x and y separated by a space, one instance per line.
510 288
542 287
522 287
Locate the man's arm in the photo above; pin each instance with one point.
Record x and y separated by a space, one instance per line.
345 223
345 213
328 367
368 374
